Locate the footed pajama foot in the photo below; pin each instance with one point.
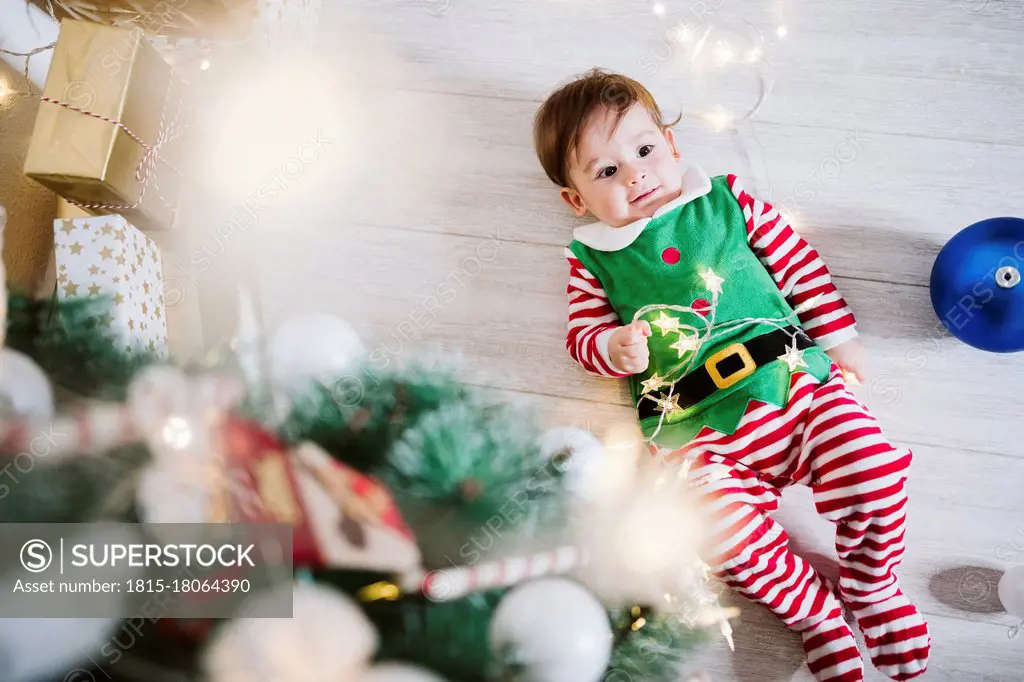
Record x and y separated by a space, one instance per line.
896 635
832 654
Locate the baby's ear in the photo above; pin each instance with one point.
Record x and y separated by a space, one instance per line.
575 201
670 137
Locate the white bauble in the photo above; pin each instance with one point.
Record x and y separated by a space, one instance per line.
318 347
399 672
1011 591
595 471
158 392
24 388
60 648
38 648
556 629
327 639
577 453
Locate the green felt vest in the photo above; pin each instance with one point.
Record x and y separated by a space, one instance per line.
708 232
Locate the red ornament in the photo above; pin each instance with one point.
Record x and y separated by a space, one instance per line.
670 255
701 306
340 517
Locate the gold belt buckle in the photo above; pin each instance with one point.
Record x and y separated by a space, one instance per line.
711 364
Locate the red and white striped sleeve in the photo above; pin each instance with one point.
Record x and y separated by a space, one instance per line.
591 321
797 269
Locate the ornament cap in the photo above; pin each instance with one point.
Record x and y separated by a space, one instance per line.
1007 277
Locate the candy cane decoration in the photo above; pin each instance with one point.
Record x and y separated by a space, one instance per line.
101 426
91 430
447 584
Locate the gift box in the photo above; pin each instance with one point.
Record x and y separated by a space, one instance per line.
106 256
109 131
341 518
217 19
28 237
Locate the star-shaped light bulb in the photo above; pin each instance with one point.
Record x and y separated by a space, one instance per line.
712 282
652 384
719 118
666 323
723 53
808 304
177 433
793 357
685 343
668 406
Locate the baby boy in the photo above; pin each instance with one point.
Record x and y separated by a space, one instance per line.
737 348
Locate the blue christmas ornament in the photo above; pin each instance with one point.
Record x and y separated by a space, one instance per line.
976 285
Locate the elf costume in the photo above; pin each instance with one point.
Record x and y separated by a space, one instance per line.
742 311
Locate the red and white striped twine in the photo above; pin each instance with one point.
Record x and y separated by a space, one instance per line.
145 171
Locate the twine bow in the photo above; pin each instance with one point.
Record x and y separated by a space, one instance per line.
145 171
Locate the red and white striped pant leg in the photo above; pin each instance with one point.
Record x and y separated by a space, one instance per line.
749 551
858 480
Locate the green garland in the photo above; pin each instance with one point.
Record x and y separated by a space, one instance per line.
358 418
651 646
451 638
436 442
66 340
481 459
83 488
444 449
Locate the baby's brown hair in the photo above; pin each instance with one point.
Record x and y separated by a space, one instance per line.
559 122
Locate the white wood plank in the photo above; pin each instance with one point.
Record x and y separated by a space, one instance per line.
472 171
934 71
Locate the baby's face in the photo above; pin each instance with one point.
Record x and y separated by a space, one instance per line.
623 173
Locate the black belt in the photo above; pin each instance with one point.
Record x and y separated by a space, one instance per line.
724 368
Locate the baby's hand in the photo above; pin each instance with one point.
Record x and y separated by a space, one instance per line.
627 347
850 358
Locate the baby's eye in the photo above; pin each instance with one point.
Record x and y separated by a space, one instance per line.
646 149
606 172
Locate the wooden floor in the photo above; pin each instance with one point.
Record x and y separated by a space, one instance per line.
891 125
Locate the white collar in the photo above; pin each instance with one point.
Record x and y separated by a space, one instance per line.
602 237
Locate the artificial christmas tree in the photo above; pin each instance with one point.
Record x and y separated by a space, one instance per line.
350 539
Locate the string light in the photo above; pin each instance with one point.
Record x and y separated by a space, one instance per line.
204 65
712 282
782 31
794 357
668 404
177 433
666 323
380 591
791 217
723 53
684 344
658 9
720 118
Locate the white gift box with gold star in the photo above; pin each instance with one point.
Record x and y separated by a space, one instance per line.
106 256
